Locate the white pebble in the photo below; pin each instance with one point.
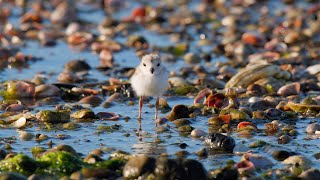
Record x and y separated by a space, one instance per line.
198 133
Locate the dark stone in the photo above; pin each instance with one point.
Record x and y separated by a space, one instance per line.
256 90
274 113
182 154
310 174
179 111
3 154
163 168
67 148
92 158
202 153
84 114
138 166
168 169
281 155
309 86
261 105
284 139
220 142
99 173
225 173
53 117
181 122
183 145
317 155
193 170
185 129
77 66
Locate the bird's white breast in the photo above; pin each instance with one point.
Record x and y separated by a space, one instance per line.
149 84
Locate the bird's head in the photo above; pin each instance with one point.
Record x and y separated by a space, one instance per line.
151 64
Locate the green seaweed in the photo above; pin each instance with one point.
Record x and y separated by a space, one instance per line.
185 128
19 163
11 92
53 117
37 151
84 114
184 90
257 144
235 114
180 49
113 164
59 163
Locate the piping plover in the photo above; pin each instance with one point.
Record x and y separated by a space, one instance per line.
149 79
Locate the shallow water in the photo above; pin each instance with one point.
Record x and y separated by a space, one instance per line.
86 138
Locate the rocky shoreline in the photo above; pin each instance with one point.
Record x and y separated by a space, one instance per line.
251 68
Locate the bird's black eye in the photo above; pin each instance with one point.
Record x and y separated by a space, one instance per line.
144 64
158 64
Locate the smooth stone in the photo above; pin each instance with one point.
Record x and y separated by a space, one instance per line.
185 128
46 90
202 153
261 105
77 66
254 99
198 133
191 58
312 128
193 170
310 174
181 122
314 69
182 154
284 139
67 148
256 90
92 158
138 166
298 161
225 173
289 89
93 100
84 114
178 81
281 155
274 113
259 161
97 173
166 168
53 116
179 111
41 137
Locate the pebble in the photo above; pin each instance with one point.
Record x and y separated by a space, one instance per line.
198 133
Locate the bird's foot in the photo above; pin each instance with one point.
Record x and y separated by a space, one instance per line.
138 132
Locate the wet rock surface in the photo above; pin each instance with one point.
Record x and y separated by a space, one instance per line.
243 99
220 142
138 166
178 112
163 168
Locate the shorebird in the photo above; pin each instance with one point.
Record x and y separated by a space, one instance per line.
150 79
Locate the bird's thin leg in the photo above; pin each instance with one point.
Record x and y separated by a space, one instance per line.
140 107
157 107
140 112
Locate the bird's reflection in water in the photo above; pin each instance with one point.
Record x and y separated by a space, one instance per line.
149 148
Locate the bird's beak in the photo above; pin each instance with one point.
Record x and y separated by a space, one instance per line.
152 70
